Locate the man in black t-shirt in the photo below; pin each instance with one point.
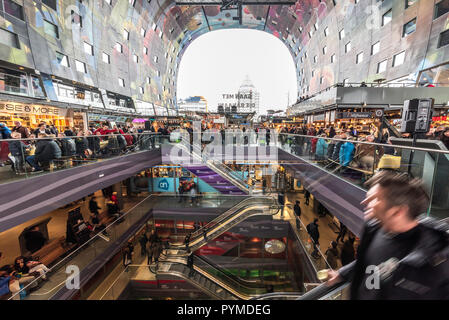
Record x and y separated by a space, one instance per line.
400 256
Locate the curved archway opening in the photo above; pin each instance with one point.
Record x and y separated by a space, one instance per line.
219 62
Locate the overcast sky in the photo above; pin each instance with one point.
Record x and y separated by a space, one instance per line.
218 61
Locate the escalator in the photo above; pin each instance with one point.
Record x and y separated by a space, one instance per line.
338 291
245 209
231 180
210 278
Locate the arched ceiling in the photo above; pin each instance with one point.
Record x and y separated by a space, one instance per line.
185 20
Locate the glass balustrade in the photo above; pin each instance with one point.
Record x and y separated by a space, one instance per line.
33 157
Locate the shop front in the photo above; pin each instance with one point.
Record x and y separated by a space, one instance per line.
32 114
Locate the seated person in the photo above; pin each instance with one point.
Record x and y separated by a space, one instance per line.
113 210
27 266
17 149
34 240
46 151
10 282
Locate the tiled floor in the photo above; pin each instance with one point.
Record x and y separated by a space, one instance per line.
326 226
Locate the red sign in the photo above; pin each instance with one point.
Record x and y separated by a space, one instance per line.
439 118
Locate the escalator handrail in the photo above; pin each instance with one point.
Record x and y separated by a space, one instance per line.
267 296
323 291
189 279
232 283
226 214
241 184
218 269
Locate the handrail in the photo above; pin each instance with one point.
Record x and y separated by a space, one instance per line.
228 213
368 143
323 291
215 281
267 296
241 183
87 243
91 136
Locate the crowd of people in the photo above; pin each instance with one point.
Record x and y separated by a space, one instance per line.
52 146
348 153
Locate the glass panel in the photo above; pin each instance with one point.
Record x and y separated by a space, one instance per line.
80 150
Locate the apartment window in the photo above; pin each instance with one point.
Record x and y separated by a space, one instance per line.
375 48
108 1
158 73
77 19
148 80
305 55
135 58
444 39
80 66
125 34
382 66
409 3
341 34
13 9
154 26
141 91
51 29
359 58
119 47
62 59
333 58
326 31
8 38
145 50
106 58
143 32
409 27
324 50
315 59
386 18
441 8
310 35
313 73
302 59
321 80
398 59
300 29
89 49
121 82
345 81
347 47
155 59
132 2
315 26
50 3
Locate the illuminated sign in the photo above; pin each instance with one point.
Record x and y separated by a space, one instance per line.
33 109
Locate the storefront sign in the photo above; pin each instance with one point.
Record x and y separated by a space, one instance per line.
439 118
32 109
318 117
353 115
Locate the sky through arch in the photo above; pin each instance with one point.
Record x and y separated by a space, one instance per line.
218 62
